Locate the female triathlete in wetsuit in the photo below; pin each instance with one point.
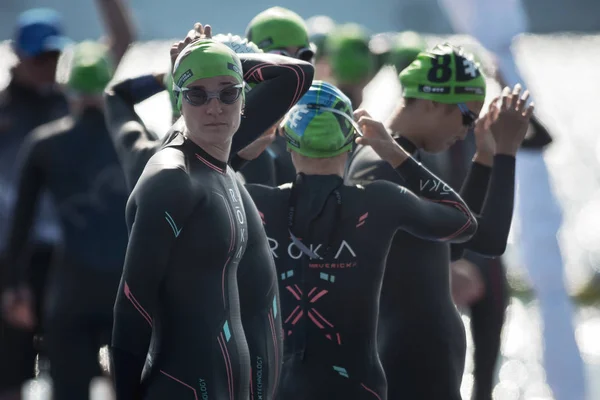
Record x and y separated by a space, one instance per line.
228 373
330 242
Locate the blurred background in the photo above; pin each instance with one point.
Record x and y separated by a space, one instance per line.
559 58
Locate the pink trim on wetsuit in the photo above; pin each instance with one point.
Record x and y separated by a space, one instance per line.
136 304
209 164
289 288
461 208
183 383
299 85
231 243
322 318
319 295
291 314
362 220
371 391
273 333
227 361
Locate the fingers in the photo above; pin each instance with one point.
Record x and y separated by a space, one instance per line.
208 32
361 112
529 111
522 101
505 99
363 141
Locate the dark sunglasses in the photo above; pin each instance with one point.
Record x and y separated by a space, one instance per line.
304 54
199 97
468 116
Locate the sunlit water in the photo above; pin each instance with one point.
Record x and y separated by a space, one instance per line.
562 74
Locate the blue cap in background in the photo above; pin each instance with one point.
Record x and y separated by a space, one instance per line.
38 31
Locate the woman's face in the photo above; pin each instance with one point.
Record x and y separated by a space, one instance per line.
212 108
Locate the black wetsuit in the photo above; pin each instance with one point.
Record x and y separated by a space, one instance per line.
330 299
179 287
487 313
281 79
273 167
74 159
22 110
421 336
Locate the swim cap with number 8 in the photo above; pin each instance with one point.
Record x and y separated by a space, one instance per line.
445 74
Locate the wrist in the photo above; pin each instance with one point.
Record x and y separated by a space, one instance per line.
507 149
160 78
484 158
398 156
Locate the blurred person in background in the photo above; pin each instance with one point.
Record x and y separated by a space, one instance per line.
346 50
31 99
319 27
495 24
74 160
276 30
421 336
38 41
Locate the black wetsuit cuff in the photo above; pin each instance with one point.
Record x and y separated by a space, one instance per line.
504 160
139 89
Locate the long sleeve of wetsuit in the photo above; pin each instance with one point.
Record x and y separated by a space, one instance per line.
159 217
475 186
280 83
31 181
496 216
473 192
442 216
132 140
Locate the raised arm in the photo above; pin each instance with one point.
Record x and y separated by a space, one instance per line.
151 239
119 26
279 83
508 128
440 215
132 140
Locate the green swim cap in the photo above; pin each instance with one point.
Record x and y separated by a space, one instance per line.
349 56
277 28
445 74
321 124
405 48
91 68
204 59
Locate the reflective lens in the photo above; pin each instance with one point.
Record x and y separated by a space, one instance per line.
199 97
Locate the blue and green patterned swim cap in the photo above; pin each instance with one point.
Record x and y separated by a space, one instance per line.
321 124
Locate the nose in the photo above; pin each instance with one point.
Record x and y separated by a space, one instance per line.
213 107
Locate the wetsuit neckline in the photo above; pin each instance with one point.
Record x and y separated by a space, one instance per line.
204 157
406 144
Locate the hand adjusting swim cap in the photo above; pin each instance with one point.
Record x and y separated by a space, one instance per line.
91 68
204 59
321 124
445 74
